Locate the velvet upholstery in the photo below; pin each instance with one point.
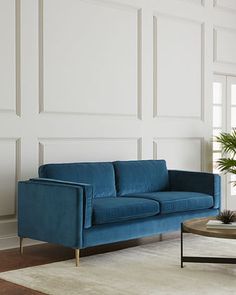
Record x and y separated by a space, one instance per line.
86 204
100 175
87 195
141 176
200 182
108 210
134 229
172 202
51 212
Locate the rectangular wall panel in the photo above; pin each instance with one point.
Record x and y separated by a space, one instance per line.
89 58
8 176
180 153
7 55
199 2
226 4
178 66
89 150
225 45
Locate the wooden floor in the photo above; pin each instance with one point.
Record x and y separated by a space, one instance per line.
48 253
33 255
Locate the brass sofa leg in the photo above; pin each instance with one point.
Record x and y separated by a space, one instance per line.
77 257
21 246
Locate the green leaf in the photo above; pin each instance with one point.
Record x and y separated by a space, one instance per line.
228 142
227 165
228 145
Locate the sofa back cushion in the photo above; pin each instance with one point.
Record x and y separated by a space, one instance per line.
101 175
141 176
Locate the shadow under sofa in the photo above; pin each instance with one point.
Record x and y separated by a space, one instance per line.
80 205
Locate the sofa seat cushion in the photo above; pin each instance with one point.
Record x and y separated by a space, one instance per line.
108 210
173 201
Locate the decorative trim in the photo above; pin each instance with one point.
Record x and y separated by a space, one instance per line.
18 57
10 242
8 227
41 69
216 59
18 169
42 141
201 2
17 108
155 98
154 66
139 64
202 116
139 148
41 98
41 153
17 142
201 140
223 8
214 45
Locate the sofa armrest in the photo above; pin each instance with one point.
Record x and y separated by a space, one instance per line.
87 195
54 211
201 182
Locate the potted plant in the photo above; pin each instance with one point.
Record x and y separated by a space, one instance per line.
228 145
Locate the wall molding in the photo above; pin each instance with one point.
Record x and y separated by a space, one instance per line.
11 242
17 142
18 57
8 235
224 8
155 61
43 141
200 139
200 2
17 108
216 30
138 11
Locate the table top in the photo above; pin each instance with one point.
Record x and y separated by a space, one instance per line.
198 227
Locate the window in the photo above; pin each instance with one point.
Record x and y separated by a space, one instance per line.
224 120
217 120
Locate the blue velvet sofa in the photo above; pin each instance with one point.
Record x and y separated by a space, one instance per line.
81 205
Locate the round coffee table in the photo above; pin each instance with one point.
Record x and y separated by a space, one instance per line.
198 227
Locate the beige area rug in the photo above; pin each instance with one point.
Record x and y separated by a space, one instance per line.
146 270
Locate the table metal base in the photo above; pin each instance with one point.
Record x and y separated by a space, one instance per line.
198 259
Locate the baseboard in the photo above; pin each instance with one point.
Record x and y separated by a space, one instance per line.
8 235
10 242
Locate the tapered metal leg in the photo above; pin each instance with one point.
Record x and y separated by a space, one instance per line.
161 237
21 245
181 245
77 257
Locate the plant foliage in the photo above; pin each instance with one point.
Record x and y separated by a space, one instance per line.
228 145
226 216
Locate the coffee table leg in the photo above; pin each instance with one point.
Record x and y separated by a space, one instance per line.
181 245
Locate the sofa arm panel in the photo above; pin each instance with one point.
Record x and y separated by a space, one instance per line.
51 212
217 191
201 182
87 195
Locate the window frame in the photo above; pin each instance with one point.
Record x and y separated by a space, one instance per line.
226 109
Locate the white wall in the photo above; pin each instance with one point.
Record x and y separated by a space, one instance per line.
94 80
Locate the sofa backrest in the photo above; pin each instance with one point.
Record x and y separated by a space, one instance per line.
140 176
101 175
